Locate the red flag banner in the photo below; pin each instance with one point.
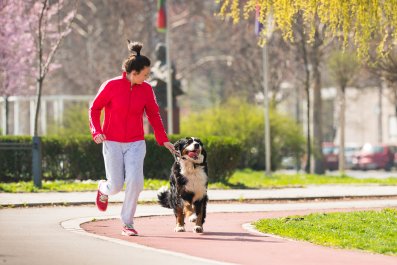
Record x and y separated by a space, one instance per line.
161 16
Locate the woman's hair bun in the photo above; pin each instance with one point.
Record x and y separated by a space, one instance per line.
134 47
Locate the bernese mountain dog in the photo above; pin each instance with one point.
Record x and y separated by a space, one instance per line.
188 181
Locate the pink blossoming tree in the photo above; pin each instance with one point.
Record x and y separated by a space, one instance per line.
31 33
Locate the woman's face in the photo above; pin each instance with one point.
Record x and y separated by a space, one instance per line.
138 78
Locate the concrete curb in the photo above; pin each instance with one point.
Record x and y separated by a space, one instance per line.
252 200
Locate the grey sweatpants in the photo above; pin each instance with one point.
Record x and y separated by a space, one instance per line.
124 163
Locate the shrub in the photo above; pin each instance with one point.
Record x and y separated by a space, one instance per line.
80 158
245 122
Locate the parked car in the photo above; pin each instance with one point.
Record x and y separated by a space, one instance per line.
330 152
375 156
331 155
351 152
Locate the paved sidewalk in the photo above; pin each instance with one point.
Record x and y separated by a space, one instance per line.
310 192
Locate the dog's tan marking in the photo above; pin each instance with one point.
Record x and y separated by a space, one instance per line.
180 220
188 209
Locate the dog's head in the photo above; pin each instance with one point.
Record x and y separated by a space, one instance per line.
191 149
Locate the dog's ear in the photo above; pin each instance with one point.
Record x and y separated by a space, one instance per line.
204 153
199 141
179 144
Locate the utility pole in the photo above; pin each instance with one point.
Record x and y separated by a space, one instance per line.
170 107
266 105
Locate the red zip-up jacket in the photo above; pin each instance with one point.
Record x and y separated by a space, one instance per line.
124 106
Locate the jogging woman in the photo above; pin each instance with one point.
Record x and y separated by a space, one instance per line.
125 99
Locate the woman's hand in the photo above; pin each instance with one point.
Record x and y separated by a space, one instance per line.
170 147
99 138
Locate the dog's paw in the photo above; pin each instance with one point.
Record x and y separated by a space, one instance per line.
179 229
198 229
193 218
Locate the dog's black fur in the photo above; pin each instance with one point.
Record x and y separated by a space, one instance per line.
188 181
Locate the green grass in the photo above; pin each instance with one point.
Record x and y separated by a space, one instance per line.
241 179
248 178
373 231
68 186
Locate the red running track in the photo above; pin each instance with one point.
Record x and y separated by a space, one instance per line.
225 240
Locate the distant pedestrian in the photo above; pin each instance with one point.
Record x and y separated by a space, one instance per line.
125 99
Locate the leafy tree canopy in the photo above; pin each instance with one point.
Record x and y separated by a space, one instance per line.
364 21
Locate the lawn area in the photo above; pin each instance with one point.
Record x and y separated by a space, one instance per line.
242 179
68 186
248 178
373 231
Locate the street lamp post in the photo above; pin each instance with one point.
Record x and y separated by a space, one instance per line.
266 106
170 107
265 62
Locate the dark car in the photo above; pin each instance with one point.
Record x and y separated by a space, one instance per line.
330 152
375 156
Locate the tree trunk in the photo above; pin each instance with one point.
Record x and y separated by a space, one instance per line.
316 54
302 46
39 87
7 114
342 107
317 116
308 141
40 77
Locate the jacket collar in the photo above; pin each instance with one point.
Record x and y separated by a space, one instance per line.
124 78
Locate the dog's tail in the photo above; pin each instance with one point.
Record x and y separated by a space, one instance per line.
164 197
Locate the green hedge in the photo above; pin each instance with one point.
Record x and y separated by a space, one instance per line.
80 158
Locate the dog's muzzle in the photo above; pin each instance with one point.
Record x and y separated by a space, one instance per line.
194 154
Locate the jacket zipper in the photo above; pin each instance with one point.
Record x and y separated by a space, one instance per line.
128 111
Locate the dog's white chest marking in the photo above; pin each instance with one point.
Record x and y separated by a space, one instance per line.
196 180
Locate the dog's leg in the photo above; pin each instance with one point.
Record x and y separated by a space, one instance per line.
180 220
189 212
201 212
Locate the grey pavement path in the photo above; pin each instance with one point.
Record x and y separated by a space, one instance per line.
310 192
34 236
